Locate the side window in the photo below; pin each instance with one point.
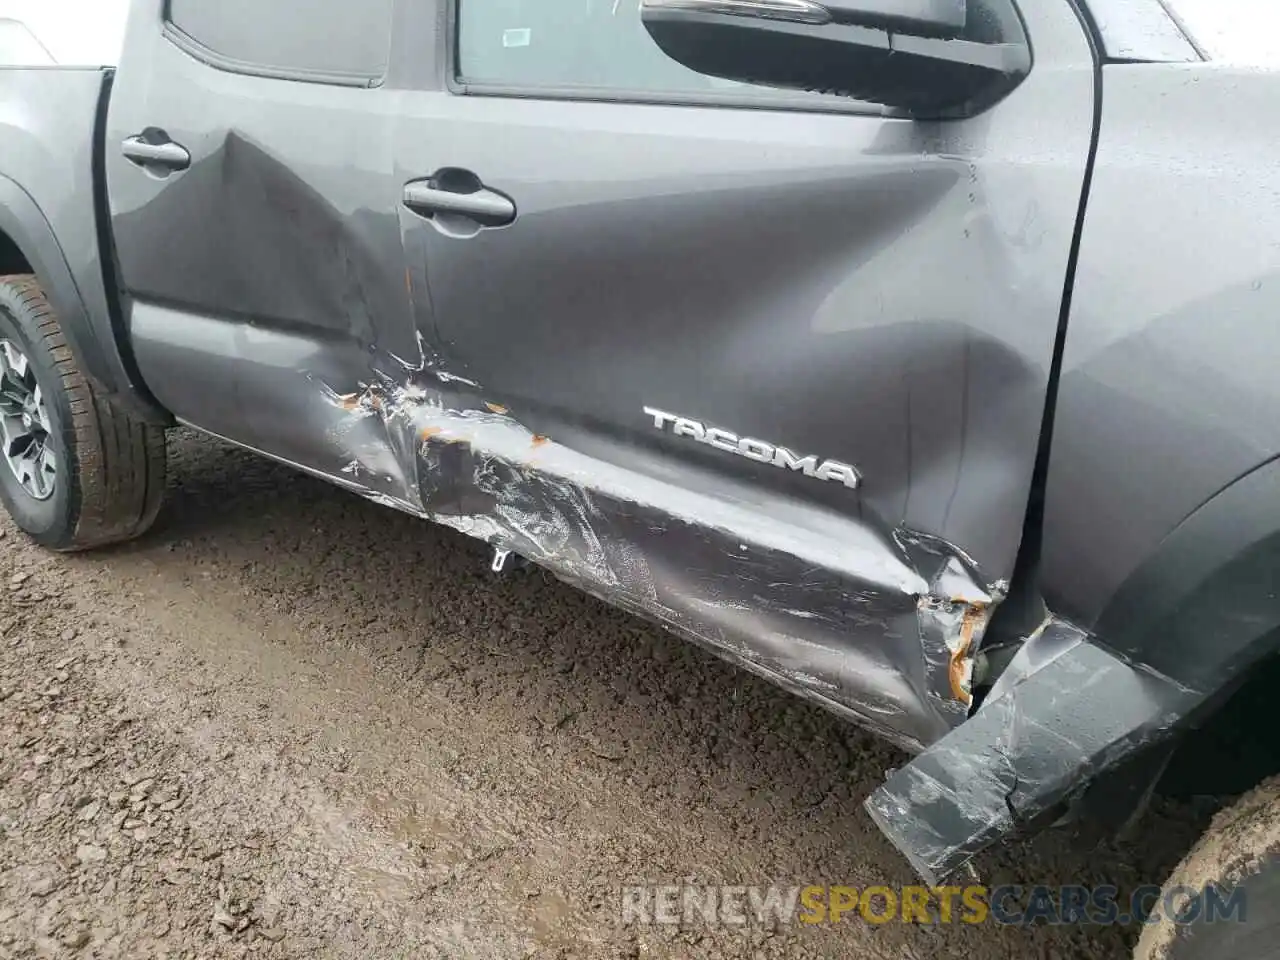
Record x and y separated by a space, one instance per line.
557 44
335 40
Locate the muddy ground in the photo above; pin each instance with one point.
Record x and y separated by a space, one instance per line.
290 723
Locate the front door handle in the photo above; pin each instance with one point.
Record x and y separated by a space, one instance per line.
452 194
152 149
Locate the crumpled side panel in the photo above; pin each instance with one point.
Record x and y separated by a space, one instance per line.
879 628
1064 711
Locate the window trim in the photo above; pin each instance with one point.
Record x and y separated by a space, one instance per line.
790 102
218 61
1144 32
26 28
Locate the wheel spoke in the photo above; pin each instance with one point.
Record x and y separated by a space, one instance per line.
43 476
24 424
13 395
40 411
15 360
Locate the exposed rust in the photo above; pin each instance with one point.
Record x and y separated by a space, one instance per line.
974 615
952 608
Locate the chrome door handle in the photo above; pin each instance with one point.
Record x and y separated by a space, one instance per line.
486 207
145 153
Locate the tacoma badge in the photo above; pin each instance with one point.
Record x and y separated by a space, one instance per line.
757 450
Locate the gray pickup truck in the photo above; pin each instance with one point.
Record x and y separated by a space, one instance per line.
918 356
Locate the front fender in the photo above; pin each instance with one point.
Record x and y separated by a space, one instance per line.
1206 606
1181 633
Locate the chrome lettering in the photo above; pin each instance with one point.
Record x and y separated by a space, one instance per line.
758 450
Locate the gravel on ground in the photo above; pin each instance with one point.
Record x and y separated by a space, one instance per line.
291 723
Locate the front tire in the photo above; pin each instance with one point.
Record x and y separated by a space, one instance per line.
75 472
1239 854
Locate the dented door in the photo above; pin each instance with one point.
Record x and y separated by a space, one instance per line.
770 374
269 264
696 317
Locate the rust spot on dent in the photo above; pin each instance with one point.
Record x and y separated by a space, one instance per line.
958 668
426 433
495 407
348 401
539 439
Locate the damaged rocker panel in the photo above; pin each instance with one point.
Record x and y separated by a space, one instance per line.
1063 712
879 627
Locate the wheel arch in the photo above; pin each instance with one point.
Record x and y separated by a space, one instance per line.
28 245
1182 634
1204 608
1203 612
12 259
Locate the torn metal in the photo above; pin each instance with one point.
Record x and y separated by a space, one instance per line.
879 627
1064 711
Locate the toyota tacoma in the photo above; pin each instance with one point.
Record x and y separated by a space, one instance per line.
918 356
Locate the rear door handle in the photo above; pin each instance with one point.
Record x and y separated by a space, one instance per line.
459 194
149 151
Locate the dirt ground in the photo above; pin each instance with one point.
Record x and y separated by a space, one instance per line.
290 723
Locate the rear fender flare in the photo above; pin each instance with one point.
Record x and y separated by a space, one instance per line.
91 338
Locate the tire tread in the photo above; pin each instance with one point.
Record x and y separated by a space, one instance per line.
118 466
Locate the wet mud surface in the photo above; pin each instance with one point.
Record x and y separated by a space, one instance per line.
292 723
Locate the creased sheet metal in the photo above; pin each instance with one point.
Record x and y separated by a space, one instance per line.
1064 711
879 628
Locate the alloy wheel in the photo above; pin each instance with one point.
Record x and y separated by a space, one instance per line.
25 431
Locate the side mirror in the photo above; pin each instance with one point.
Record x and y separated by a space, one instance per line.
929 59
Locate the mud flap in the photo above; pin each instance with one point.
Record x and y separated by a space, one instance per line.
1064 711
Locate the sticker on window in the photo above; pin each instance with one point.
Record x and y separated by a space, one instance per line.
516 37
